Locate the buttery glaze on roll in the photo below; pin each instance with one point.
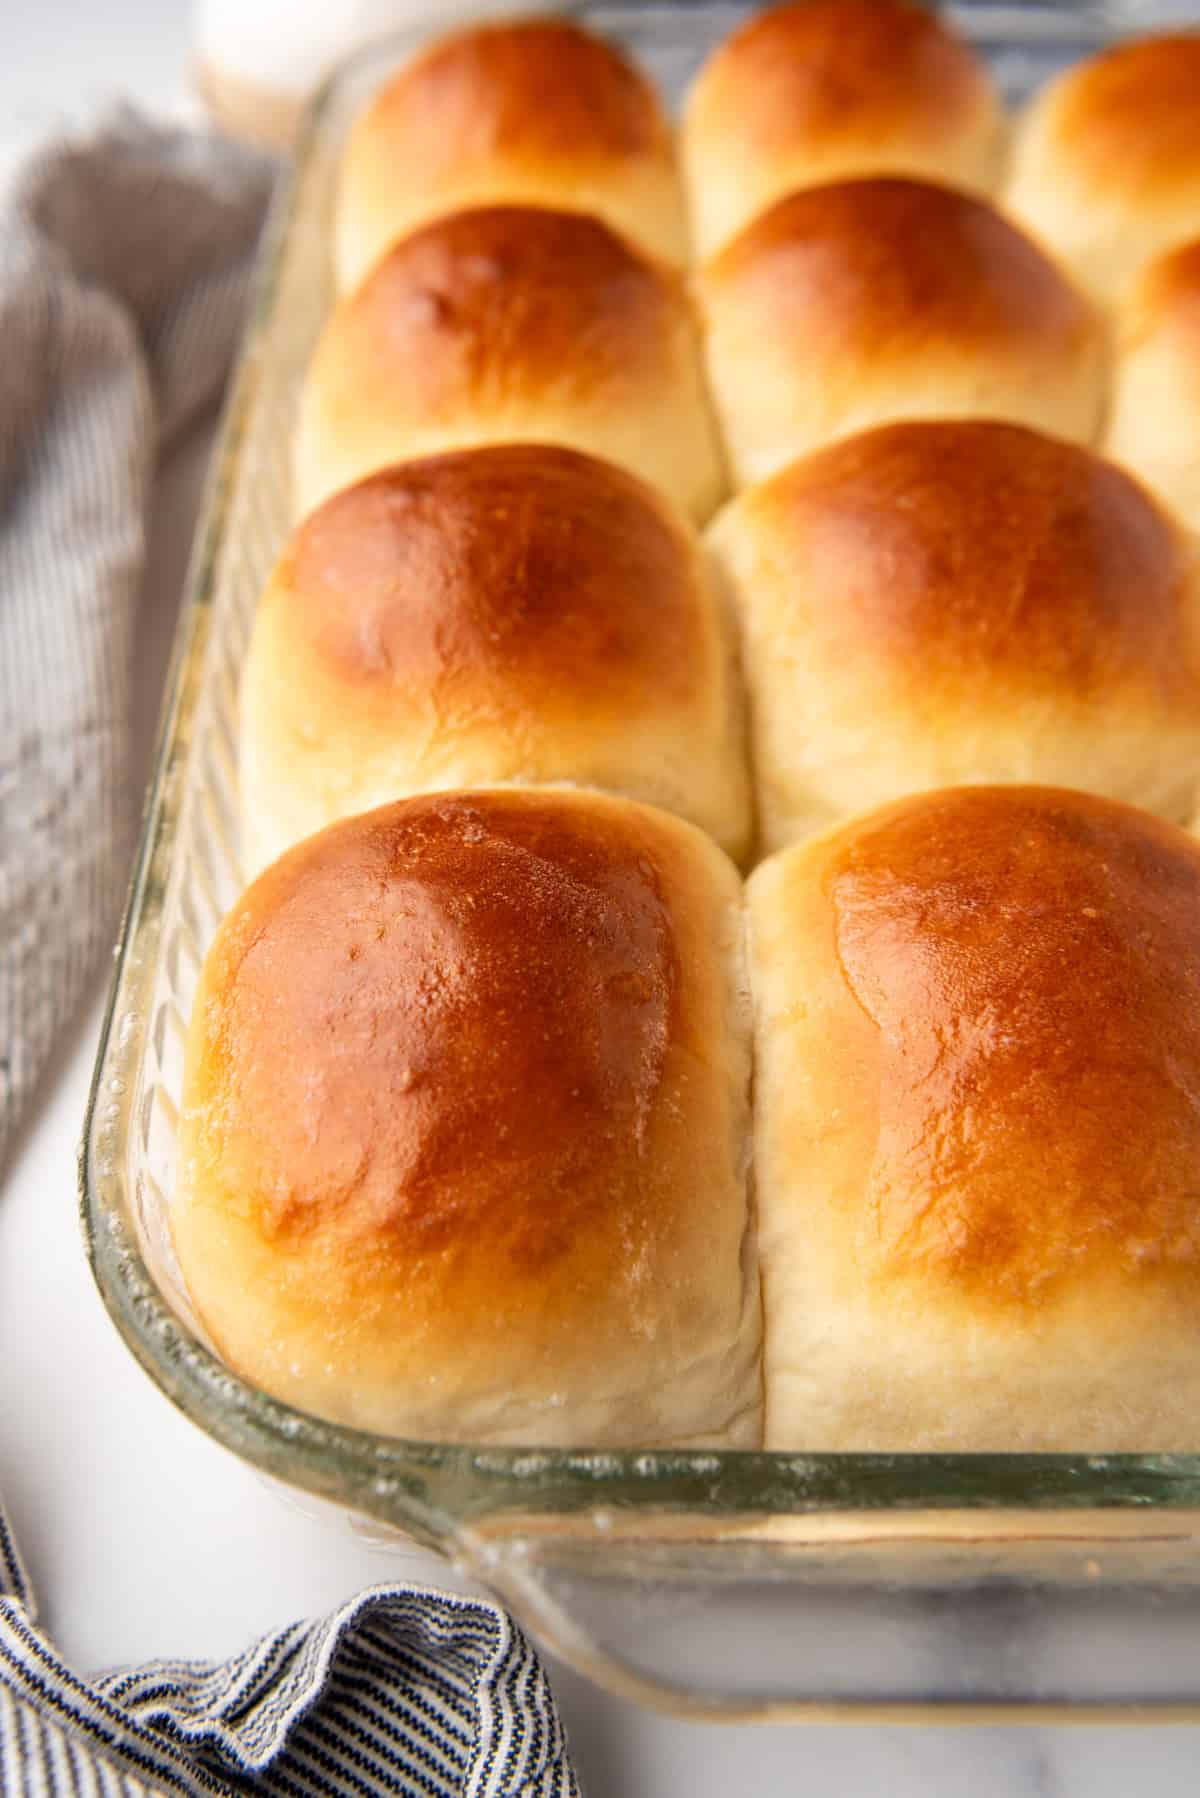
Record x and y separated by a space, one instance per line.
929 604
465 1126
1106 166
520 614
531 110
854 304
977 1098
511 324
1154 420
824 89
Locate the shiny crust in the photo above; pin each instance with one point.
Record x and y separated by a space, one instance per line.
488 301
931 603
1127 117
828 88
973 556
535 109
539 85
1106 164
1027 963
510 322
872 268
824 69
521 562
464 1126
516 613
848 305
979 1214
1166 298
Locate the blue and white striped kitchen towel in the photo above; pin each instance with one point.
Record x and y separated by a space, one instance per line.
400 1691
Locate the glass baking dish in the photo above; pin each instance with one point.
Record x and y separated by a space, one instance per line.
853 1587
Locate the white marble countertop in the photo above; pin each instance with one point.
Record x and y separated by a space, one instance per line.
143 1537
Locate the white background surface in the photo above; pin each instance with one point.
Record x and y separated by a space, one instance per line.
144 1538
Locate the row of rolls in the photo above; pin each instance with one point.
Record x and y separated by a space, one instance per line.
820 483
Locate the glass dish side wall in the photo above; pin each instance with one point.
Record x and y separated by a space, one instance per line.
868 1586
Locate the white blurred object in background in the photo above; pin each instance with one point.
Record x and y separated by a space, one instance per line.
255 62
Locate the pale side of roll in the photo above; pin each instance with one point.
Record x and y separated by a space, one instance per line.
1154 417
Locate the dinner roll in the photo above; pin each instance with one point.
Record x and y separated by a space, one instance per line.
977 1097
511 323
1106 164
531 110
519 613
964 601
849 305
464 1131
1154 422
822 89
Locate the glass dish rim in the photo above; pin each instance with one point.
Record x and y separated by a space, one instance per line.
426 1487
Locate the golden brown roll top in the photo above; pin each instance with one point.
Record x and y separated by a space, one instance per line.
520 613
864 301
978 1128
511 323
942 602
1154 419
816 91
464 1132
1106 167
531 110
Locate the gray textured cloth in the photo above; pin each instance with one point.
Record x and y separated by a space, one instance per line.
124 261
